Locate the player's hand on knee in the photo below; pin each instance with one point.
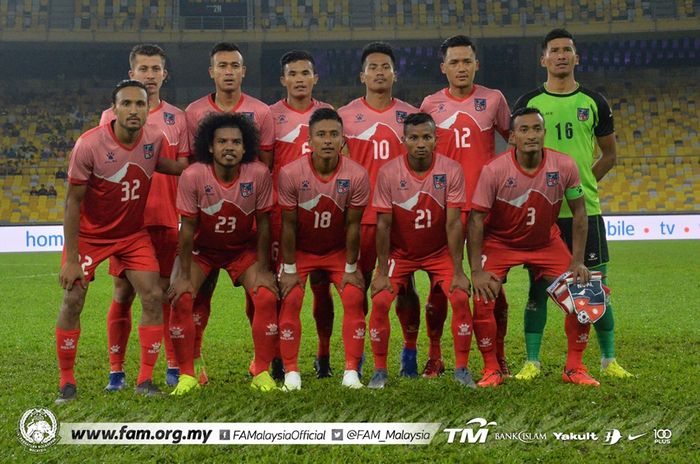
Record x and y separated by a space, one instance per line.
70 273
460 281
178 288
486 286
287 282
580 273
353 278
266 279
379 284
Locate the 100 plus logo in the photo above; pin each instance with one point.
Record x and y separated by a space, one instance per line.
468 434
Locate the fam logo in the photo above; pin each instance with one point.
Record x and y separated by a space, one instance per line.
441 108
401 116
403 184
480 104
246 189
582 114
359 117
169 118
208 190
305 185
148 151
38 429
511 182
469 435
552 179
439 181
282 119
342 186
250 116
111 157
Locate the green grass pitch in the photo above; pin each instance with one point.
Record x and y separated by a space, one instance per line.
656 290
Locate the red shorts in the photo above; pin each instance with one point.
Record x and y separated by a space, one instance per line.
333 263
164 240
549 261
368 248
438 266
234 263
135 253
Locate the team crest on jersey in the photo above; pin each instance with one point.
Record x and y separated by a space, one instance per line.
168 118
208 190
441 108
111 157
511 182
403 185
249 115
401 116
582 114
439 181
480 104
305 185
148 151
342 185
359 117
246 189
552 179
282 119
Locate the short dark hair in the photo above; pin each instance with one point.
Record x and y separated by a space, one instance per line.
126 83
522 112
558 33
296 55
415 119
224 47
204 137
377 47
324 114
146 50
456 41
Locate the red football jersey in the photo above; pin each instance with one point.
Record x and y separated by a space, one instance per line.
253 108
523 208
321 203
226 212
118 180
419 204
160 207
374 137
466 128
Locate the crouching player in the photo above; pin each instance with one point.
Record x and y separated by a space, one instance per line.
513 222
323 196
222 199
419 197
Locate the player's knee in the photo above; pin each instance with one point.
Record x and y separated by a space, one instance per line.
352 297
381 302
151 299
482 311
265 300
123 291
73 302
459 299
291 304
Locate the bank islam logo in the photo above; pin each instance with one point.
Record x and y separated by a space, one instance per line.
38 429
468 435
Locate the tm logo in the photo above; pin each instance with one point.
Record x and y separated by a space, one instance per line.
468 435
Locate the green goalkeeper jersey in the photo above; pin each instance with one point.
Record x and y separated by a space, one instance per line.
573 121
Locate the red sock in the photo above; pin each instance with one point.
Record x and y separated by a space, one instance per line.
118 331
200 314
264 328
167 340
249 308
577 340
323 315
435 316
380 328
354 326
150 337
408 311
66 349
290 328
461 327
182 333
500 312
485 330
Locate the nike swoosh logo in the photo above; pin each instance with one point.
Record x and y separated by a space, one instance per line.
634 437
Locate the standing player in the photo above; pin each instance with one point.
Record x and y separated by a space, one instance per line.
227 70
513 222
576 119
419 198
323 196
373 127
291 118
108 182
223 199
147 65
467 117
